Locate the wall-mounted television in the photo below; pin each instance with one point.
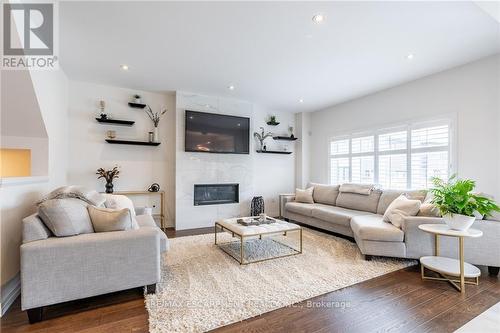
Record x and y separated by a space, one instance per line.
216 133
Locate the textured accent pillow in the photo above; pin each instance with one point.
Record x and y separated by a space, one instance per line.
427 208
106 219
65 217
400 208
364 189
118 201
305 196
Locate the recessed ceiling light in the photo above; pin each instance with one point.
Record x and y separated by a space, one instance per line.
410 56
318 18
231 87
301 100
124 67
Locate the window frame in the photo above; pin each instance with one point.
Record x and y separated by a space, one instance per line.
408 127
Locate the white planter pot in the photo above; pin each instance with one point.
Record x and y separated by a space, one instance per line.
459 222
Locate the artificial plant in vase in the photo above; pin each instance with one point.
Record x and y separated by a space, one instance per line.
261 137
155 118
458 204
273 121
108 175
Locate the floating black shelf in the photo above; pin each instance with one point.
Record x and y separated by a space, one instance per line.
137 105
131 142
115 121
284 138
272 124
274 152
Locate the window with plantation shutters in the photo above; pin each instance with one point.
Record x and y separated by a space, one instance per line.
401 157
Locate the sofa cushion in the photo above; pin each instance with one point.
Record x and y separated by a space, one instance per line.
337 215
65 217
106 219
364 189
305 196
367 203
299 208
388 196
34 229
400 208
325 194
118 201
372 227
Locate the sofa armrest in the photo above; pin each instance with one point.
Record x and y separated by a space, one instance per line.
60 269
284 198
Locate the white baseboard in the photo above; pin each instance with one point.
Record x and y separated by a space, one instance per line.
8 293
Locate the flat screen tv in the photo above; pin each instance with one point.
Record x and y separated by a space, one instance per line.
217 133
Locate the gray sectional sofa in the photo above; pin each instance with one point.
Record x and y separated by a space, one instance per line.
360 217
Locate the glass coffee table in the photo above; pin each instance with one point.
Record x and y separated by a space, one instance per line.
255 243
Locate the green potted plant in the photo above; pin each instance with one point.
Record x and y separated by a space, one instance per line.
458 204
272 121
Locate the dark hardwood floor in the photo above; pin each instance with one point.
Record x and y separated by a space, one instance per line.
395 302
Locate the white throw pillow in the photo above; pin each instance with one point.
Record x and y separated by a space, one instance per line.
400 208
117 201
305 196
106 219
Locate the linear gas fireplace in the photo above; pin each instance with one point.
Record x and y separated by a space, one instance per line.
216 194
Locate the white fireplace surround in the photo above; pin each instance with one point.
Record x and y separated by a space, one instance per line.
253 172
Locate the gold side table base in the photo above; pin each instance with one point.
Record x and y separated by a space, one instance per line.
241 259
455 281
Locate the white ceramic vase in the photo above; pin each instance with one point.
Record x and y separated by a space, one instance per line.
156 135
459 222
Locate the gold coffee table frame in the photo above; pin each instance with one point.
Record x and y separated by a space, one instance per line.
242 238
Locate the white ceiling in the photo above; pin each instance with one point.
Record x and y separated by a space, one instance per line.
271 52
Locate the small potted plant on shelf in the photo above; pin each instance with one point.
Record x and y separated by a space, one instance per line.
458 204
108 175
272 121
137 99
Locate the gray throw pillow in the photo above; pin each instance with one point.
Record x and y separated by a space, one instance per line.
65 217
106 219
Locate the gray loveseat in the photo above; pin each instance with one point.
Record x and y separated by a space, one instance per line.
60 269
360 216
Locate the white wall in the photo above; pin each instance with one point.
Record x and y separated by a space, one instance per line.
258 174
470 92
18 200
303 159
140 166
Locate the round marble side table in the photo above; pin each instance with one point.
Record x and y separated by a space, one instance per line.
456 272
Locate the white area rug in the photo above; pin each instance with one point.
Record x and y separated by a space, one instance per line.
204 288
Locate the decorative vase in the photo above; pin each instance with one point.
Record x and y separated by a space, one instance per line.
257 206
156 135
109 187
138 100
458 221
